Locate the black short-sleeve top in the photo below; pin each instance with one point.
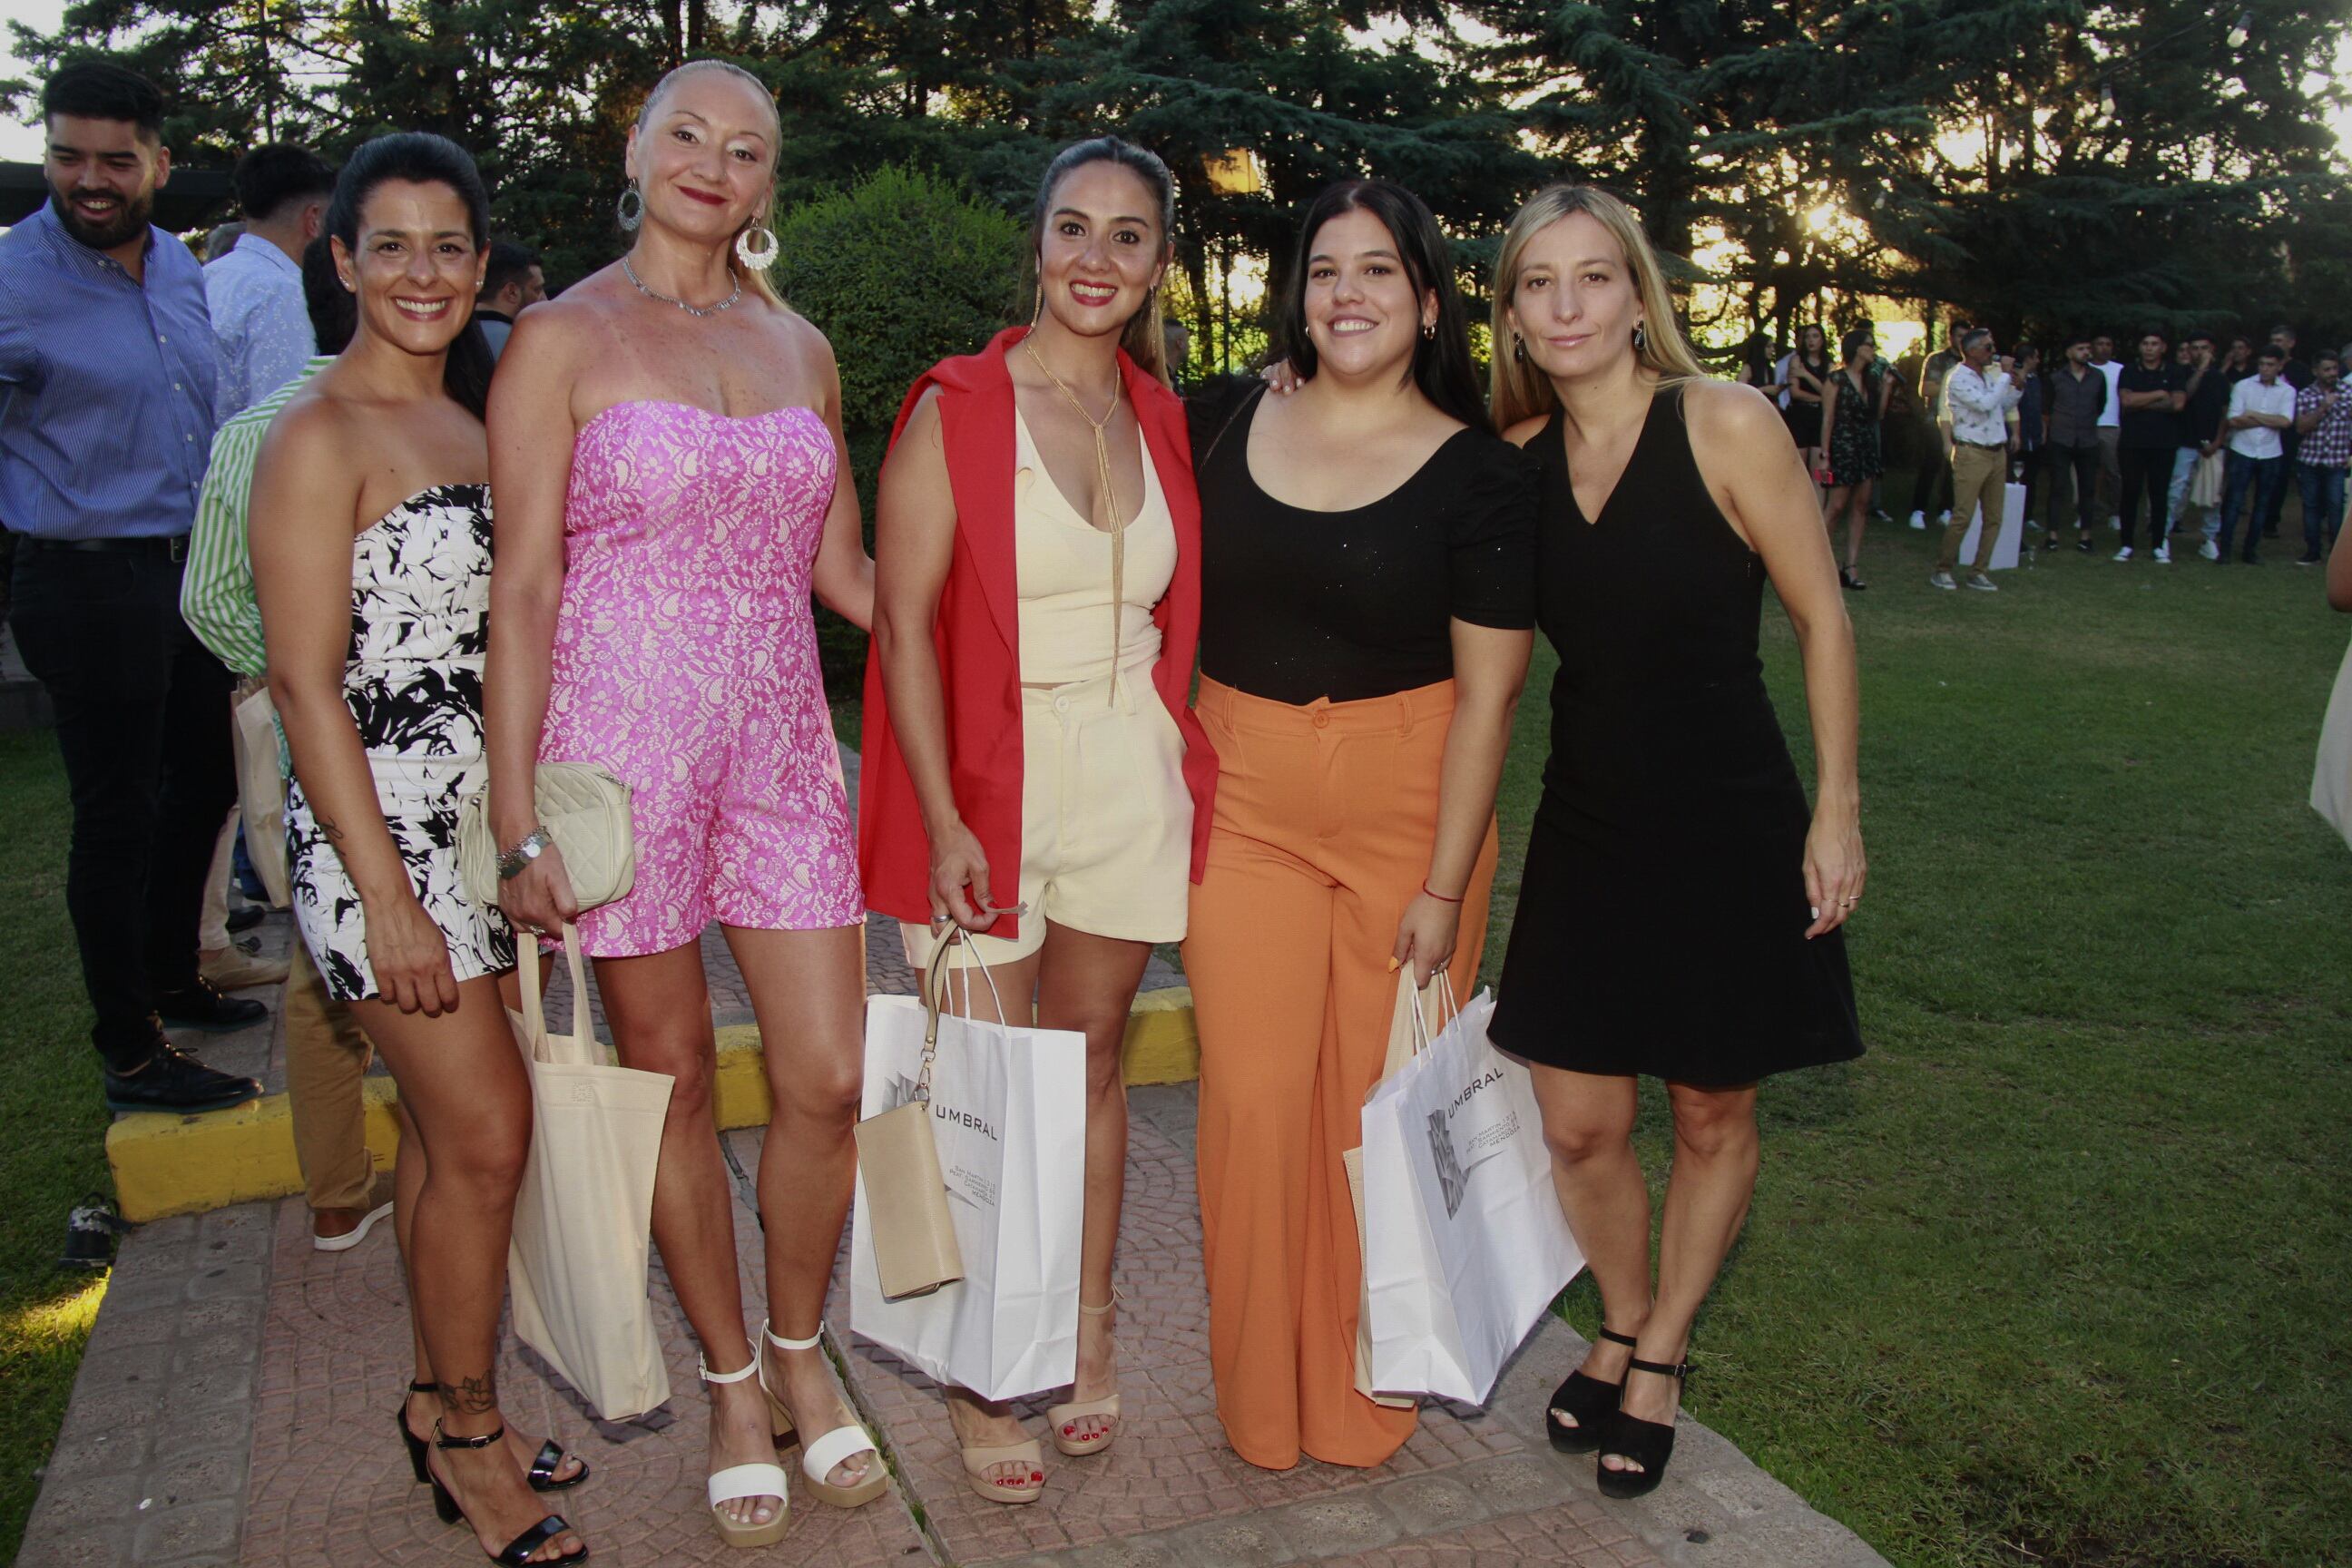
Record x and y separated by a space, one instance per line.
1298 604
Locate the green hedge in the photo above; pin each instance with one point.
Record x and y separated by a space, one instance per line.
899 271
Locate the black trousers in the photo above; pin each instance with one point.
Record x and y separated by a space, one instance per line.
142 713
2145 469
2073 473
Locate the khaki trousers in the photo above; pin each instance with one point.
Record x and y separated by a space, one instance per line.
327 1055
1978 475
1325 818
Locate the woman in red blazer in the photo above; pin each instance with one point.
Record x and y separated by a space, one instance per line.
1032 773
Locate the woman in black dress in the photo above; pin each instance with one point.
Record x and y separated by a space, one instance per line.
1850 419
1679 908
1809 387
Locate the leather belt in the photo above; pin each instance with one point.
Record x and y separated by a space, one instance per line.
172 547
1983 445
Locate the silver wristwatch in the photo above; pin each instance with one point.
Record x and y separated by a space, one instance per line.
512 861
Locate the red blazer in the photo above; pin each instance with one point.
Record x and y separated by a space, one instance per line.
977 640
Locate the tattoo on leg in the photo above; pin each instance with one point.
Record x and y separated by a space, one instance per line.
470 1395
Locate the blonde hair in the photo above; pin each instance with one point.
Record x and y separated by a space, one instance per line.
758 280
1517 389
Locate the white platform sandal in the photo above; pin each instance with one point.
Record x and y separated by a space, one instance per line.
828 1453
737 1482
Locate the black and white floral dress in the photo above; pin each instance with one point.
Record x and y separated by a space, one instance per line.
413 681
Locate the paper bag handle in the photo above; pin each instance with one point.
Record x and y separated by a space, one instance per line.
580 1046
1408 997
935 996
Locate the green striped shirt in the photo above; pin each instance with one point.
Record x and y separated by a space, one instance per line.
216 591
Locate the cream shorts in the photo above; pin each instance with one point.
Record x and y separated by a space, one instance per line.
1106 820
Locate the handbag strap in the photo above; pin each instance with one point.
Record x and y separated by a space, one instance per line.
935 974
580 1046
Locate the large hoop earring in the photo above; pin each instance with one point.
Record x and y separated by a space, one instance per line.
756 257
1641 339
630 210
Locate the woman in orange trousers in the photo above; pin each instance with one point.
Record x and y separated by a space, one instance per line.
1367 559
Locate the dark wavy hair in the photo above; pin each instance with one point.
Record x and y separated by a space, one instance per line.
1441 363
422 157
1145 340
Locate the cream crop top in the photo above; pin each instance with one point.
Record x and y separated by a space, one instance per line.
1064 567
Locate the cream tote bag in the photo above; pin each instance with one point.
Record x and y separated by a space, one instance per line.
583 1223
2331 779
261 791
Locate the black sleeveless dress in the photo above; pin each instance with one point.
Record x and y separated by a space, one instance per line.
1663 910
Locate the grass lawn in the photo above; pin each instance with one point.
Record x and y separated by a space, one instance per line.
2053 1275
52 1123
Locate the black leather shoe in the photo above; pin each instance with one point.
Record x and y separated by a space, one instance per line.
199 1006
246 918
174 1080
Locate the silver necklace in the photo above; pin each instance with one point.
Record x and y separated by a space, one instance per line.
697 311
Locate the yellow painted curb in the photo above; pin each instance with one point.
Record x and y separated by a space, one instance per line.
188 1164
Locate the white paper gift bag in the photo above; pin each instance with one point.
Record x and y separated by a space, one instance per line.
1466 1246
1009 1113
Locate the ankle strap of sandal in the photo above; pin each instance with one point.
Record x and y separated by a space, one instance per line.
1117 1295
782 1344
443 1440
703 1367
1662 1369
417 1386
1614 1338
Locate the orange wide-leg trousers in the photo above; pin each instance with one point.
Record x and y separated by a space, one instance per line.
1325 818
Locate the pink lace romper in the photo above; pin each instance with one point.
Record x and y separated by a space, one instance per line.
685 662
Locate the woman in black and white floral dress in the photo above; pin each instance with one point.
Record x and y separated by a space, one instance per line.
371 527
413 681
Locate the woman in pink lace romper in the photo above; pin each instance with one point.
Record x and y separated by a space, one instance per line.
666 443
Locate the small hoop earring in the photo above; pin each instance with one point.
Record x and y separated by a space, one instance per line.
630 210
1641 339
1429 331
760 256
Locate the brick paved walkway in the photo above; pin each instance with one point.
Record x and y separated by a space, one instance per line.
235 1406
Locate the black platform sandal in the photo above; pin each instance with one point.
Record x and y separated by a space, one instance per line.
1587 1401
1649 1443
518 1551
543 1474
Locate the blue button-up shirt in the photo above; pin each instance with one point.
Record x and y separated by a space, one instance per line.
260 325
106 386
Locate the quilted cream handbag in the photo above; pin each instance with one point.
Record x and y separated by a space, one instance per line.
584 809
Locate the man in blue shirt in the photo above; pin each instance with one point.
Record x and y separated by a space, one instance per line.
106 399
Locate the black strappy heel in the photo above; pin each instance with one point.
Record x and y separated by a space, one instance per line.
416 1445
542 1474
518 1551
1585 1400
1649 1443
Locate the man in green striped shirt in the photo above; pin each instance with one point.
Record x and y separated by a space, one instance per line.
326 1051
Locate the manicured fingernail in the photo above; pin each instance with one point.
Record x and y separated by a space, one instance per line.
1817 912
1392 966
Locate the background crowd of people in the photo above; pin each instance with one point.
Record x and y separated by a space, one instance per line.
2197 430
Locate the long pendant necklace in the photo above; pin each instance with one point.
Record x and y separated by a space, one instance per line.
1109 490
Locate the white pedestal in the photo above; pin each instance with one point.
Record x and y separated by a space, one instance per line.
2012 530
